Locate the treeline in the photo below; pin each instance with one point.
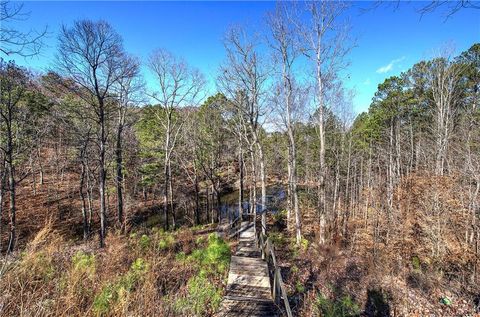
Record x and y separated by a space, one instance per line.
281 114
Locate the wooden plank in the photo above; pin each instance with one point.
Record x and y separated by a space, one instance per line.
248 287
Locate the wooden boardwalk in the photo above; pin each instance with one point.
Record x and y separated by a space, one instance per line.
248 288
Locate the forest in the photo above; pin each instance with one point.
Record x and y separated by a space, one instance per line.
112 190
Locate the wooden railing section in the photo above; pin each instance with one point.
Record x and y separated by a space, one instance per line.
235 227
279 293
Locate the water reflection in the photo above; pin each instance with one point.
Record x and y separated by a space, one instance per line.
276 196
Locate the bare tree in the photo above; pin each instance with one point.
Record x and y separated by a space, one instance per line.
451 7
13 41
127 90
91 55
326 44
445 79
178 85
285 48
243 80
13 87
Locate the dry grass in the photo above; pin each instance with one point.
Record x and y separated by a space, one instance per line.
403 271
143 274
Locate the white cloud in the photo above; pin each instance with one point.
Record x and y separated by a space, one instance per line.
389 66
367 82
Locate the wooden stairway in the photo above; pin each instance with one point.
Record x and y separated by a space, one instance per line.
248 288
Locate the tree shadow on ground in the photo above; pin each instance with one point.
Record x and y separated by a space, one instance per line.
377 304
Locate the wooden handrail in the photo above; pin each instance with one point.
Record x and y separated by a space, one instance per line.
279 294
234 227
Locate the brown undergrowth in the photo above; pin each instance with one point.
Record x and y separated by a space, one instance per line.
148 273
418 265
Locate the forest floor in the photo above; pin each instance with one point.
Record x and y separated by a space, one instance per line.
337 281
152 272
144 272
147 273
358 279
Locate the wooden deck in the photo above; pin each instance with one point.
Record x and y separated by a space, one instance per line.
248 289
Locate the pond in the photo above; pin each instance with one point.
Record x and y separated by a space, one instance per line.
276 197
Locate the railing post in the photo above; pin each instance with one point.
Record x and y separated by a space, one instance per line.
274 295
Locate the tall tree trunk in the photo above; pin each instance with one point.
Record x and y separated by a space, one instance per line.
219 203
34 177
253 201
296 209
11 181
292 162
12 190
347 204
119 162
240 189
2 192
289 186
166 183
102 175
89 194
390 177
170 188
212 219
263 183
321 158
197 198
208 204
40 165
82 197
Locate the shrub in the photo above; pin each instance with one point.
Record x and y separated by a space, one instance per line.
144 242
278 239
343 307
102 302
294 268
202 296
377 303
181 257
416 263
280 216
299 287
84 263
166 240
215 257
113 292
37 266
200 240
304 244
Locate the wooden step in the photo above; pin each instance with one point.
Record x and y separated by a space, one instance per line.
248 291
235 307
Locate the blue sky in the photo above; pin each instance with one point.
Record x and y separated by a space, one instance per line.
388 40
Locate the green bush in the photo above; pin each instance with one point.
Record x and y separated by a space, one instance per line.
112 292
166 240
294 268
304 244
84 263
200 240
215 257
181 257
280 216
202 297
39 266
144 242
101 303
416 263
299 287
278 239
343 307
